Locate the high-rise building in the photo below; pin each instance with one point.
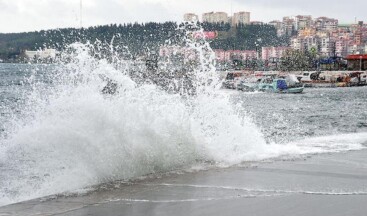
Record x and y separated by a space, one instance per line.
358 37
288 25
278 26
215 17
327 45
276 23
241 18
302 22
324 23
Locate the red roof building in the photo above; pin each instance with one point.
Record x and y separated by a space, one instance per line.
357 62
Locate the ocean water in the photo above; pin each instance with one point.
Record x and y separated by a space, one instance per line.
60 134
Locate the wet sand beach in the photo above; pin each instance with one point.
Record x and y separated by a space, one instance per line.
325 184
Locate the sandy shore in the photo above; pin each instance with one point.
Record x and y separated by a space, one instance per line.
328 184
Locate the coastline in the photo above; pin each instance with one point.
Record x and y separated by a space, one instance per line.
325 184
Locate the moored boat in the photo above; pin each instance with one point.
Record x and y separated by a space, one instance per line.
278 86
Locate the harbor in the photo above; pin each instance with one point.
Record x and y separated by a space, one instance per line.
251 80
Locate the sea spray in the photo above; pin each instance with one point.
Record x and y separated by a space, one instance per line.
71 135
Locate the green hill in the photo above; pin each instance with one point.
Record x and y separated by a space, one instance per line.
138 37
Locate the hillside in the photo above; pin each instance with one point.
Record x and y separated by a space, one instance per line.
138 37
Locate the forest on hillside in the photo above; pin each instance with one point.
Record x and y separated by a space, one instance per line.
137 37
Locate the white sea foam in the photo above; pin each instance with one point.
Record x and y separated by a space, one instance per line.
73 136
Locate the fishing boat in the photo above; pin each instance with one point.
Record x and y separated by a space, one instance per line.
278 86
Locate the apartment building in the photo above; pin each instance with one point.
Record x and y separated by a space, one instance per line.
303 21
241 18
341 47
268 53
326 24
215 17
229 55
297 43
288 26
327 46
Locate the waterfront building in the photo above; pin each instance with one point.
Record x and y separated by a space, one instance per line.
241 18
215 17
220 55
268 53
230 55
41 54
357 62
191 17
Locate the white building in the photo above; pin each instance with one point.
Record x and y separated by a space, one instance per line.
327 45
311 43
41 54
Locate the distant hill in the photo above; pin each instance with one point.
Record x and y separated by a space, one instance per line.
138 37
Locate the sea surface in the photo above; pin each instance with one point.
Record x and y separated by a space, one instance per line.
59 133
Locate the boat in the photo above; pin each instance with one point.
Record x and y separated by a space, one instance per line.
246 86
233 79
279 85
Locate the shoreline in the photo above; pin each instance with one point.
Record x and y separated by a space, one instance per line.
323 184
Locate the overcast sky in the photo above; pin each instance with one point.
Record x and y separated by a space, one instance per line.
30 15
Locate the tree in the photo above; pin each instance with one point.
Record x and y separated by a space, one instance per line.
296 60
